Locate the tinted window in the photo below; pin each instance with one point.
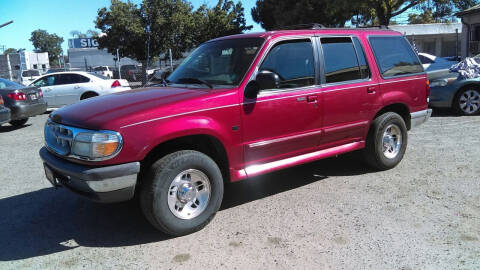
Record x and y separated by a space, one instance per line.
293 62
61 79
362 59
395 56
100 68
425 60
45 81
340 60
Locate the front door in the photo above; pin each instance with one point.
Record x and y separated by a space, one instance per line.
46 84
284 121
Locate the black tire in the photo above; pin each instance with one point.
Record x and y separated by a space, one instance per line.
374 151
88 95
155 188
465 92
19 122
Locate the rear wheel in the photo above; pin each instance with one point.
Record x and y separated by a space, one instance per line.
467 101
88 95
182 192
386 141
19 122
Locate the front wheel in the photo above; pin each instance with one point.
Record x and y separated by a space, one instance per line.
19 122
467 101
386 141
182 192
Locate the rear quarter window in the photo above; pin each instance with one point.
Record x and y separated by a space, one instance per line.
395 56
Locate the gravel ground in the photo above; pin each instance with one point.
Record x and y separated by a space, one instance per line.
330 214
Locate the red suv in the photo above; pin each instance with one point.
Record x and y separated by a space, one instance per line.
237 107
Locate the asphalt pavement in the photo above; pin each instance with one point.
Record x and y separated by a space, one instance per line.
331 214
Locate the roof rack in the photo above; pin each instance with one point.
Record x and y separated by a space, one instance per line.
303 26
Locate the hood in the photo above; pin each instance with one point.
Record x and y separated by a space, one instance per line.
119 109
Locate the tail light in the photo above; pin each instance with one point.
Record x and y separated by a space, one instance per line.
129 72
1 100
103 73
116 83
40 93
17 96
427 91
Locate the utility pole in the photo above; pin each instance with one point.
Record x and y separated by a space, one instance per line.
5 24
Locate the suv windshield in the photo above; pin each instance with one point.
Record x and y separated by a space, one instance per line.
222 62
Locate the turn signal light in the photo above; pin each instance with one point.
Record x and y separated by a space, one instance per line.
40 93
17 96
428 91
1 100
116 83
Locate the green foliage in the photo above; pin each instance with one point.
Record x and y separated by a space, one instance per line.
89 34
10 50
273 14
170 24
44 42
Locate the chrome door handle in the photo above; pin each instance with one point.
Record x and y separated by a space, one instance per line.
371 90
76 87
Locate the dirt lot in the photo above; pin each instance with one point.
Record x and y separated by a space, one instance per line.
331 214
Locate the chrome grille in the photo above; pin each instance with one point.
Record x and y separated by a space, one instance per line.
58 138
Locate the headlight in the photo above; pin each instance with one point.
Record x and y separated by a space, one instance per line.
96 145
442 82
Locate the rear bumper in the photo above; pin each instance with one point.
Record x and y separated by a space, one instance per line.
102 184
4 115
420 117
22 111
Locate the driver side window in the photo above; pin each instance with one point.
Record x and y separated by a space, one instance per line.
293 62
45 81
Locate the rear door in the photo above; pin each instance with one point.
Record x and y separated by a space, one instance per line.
348 90
69 87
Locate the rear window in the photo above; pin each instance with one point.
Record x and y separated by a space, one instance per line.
395 56
100 68
29 73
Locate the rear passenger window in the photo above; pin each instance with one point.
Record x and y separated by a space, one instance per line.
293 62
362 60
340 60
395 56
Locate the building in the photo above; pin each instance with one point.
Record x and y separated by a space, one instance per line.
83 53
470 19
439 39
11 65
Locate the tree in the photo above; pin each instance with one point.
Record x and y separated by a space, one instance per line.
10 50
89 34
439 11
167 24
44 42
225 18
273 14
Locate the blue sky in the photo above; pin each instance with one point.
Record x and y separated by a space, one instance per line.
63 16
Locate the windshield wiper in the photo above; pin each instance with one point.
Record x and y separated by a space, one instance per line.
196 81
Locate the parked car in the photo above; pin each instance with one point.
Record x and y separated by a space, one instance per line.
449 90
28 76
4 113
64 88
432 62
131 73
105 71
23 101
237 107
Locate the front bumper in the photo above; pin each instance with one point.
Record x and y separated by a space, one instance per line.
420 117
108 184
22 111
4 115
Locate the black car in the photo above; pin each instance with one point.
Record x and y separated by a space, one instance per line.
23 101
4 113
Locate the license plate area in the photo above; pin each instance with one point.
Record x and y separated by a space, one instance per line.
33 96
51 176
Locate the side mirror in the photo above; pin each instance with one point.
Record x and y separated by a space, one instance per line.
267 79
251 90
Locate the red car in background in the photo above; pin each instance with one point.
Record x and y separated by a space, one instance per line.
237 107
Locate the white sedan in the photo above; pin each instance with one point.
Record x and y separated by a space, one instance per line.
64 88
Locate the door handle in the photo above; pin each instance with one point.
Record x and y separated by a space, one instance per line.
76 87
312 99
371 90
48 89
